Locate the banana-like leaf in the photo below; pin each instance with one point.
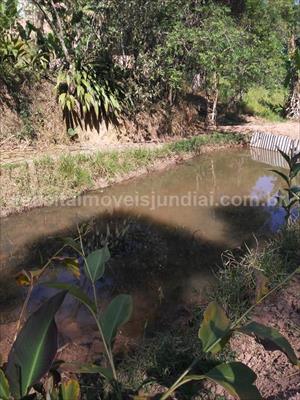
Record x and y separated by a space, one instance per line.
95 263
75 292
70 390
80 368
237 379
295 190
4 386
282 175
117 313
215 326
271 339
35 348
295 171
286 157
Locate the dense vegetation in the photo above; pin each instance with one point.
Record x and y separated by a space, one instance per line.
113 58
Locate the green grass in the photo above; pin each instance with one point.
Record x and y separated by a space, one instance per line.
70 175
265 103
237 277
158 360
194 144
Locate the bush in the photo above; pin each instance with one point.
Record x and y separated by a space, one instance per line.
237 277
265 103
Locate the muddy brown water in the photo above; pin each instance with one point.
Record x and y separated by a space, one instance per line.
179 223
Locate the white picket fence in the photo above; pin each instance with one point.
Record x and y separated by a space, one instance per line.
268 141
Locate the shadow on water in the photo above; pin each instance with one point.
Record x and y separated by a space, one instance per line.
163 257
163 267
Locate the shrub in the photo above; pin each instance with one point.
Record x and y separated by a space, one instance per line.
265 103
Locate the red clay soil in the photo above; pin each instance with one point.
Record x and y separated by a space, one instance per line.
277 378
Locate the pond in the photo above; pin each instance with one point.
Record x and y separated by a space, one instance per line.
167 232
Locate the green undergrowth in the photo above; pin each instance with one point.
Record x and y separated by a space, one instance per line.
156 361
50 179
265 103
238 277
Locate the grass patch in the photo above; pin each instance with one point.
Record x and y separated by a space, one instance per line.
194 144
265 103
157 361
236 278
56 179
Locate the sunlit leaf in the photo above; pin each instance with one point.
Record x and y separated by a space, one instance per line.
116 314
215 326
27 278
237 379
35 348
271 339
70 390
72 264
4 386
95 263
23 278
62 99
261 286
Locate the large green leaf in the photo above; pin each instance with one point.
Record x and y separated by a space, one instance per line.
271 339
237 379
35 348
117 313
80 368
214 327
70 390
75 292
295 171
4 386
295 190
286 157
95 263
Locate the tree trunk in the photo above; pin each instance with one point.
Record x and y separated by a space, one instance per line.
212 97
292 109
211 113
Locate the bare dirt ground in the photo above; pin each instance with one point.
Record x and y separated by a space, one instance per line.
252 124
277 378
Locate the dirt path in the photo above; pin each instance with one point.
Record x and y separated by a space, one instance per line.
251 124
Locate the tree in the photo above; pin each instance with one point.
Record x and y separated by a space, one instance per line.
277 25
222 53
